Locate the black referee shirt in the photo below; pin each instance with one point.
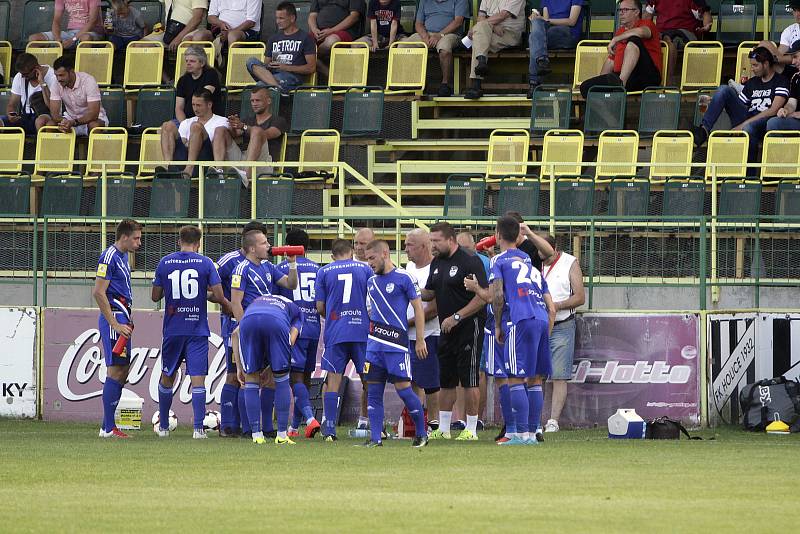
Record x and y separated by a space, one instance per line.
530 249
446 279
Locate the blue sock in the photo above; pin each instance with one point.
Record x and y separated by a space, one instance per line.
253 406
296 415
198 406
415 410
164 404
330 404
243 412
112 391
536 403
505 407
267 406
228 400
283 399
302 404
375 410
519 405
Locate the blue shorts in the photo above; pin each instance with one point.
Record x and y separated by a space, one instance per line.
385 366
304 356
263 343
335 357
227 326
425 372
562 349
109 338
526 352
193 349
494 357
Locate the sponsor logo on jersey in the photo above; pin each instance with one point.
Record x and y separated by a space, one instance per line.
102 268
236 281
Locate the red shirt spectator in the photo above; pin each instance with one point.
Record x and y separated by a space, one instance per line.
678 14
653 45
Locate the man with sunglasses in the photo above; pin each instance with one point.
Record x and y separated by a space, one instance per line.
25 109
762 96
634 54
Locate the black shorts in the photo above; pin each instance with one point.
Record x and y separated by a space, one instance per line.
460 354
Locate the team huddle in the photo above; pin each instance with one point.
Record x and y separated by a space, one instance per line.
421 328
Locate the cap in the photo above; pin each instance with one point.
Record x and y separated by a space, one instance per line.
795 45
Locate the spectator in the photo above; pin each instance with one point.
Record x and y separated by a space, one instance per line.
634 67
384 24
761 98
334 21
127 24
84 23
79 95
438 24
195 135
559 25
262 133
230 21
29 104
565 283
500 25
678 22
183 17
789 35
291 53
788 117
198 76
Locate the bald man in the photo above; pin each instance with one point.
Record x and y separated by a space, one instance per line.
364 236
424 371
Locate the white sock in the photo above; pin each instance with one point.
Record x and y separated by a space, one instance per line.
292 429
472 424
282 435
258 435
444 421
526 436
308 421
364 420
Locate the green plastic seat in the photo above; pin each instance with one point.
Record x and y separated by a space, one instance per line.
464 195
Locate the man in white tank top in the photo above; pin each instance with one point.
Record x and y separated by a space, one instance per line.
565 282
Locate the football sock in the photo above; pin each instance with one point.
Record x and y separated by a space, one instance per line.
296 416
472 424
198 405
505 408
375 410
444 421
536 403
330 404
520 408
267 407
415 410
253 406
164 404
227 402
302 404
112 391
283 400
243 412
363 420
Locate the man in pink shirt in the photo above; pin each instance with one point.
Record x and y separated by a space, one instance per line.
81 98
84 23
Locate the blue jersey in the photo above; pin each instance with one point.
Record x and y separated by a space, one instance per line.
388 296
303 294
185 278
254 280
523 285
342 287
225 267
113 266
283 310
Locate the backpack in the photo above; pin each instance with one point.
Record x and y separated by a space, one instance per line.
666 428
770 400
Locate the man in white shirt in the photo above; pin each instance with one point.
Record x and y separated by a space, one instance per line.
31 78
424 372
231 21
789 35
195 135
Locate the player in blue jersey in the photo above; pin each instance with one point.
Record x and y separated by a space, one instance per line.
389 293
183 279
341 295
112 292
266 332
304 351
252 278
526 350
231 397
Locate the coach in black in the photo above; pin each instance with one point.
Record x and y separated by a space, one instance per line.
462 316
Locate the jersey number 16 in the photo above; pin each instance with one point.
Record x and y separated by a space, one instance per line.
184 284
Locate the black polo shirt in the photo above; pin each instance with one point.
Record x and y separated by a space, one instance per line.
530 249
446 279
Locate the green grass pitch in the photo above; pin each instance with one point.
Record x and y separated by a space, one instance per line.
62 477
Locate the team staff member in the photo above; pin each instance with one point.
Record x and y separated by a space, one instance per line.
462 316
